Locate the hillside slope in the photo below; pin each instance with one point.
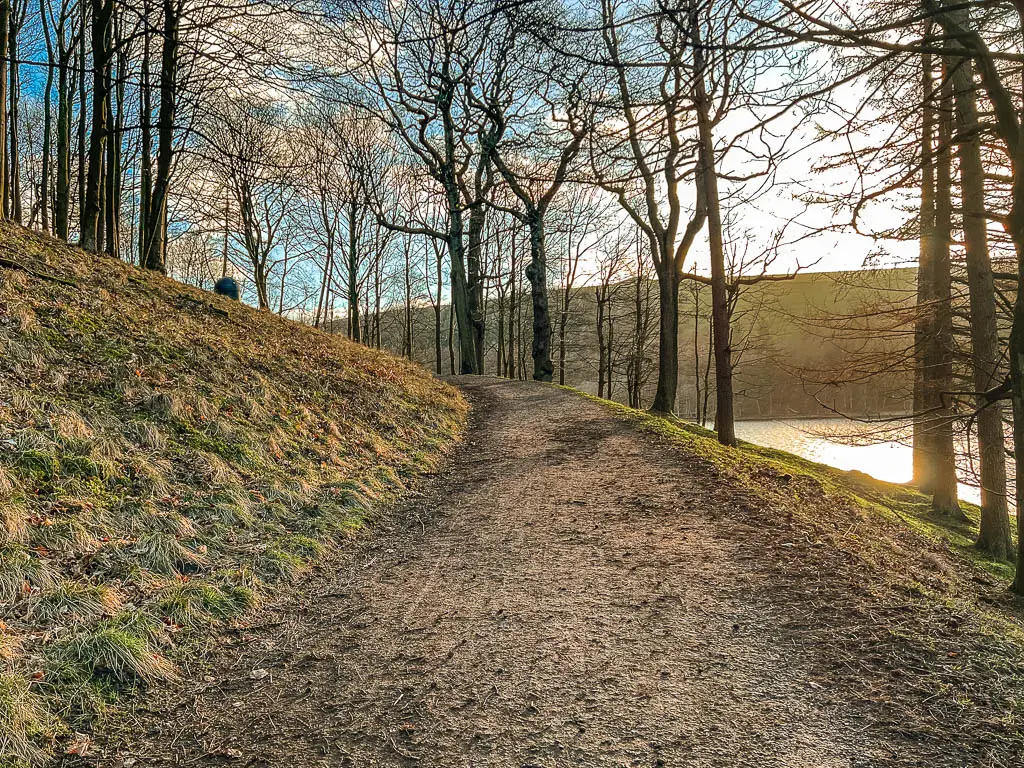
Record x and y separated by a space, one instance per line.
166 457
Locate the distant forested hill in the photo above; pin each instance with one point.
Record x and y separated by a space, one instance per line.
835 339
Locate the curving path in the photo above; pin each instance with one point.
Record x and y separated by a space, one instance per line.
568 593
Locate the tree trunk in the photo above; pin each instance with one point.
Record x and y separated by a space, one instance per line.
62 193
600 341
451 338
44 180
1016 353
352 276
92 234
611 350
513 312
536 273
14 94
146 142
113 240
994 535
923 461
939 345
5 29
460 287
261 278
475 286
437 315
83 100
668 341
563 320
156 226
720 312
408 301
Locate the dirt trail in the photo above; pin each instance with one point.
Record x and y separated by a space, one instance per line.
569 592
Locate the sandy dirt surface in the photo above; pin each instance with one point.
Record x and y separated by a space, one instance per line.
568 592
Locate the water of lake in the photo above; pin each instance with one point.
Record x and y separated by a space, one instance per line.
845 445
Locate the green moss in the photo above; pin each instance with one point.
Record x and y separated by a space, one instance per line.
39 465
303 546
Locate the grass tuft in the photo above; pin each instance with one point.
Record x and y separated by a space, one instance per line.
73 601
21 571
116 649
22 720
163 553
192 604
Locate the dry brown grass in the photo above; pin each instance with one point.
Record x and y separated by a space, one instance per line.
166 457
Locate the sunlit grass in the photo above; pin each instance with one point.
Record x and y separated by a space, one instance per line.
799 484
164 467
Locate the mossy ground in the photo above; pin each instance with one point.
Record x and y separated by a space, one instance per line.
166 458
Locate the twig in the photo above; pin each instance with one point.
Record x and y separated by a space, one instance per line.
12 264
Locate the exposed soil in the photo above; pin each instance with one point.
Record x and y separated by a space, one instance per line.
568 592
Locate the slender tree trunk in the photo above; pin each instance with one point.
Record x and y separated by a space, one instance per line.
475 292
83 112
994 535
499 347
408 300
146 141
611 351
939 346
707 177
536 273
720 312
513 281
44 181
116 120
563 320
5 31
62 194
923 459
67 80
437 314
600 340
92 234
377 298
352 277
321 305
699 417
14 94
668 341
451 338
156 227
284 274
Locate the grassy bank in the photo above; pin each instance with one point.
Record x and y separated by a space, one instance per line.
907 613
167 458
822 493
901 608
